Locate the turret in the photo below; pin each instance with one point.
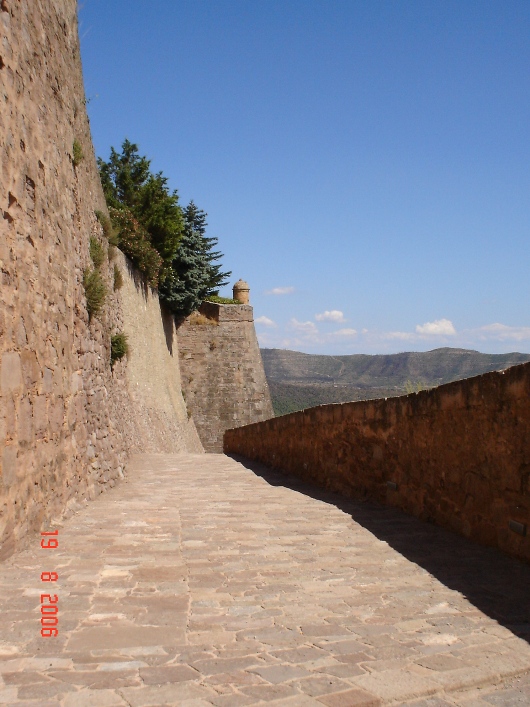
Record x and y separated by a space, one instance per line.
241 290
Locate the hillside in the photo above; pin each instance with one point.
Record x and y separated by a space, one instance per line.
299 380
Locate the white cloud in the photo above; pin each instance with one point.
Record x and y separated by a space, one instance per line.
404 335
440 327
344 332
280 291
304 327
265 321
502 332
334 315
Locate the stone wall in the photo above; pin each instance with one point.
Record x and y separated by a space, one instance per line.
67 421
158 413
457 455
222 372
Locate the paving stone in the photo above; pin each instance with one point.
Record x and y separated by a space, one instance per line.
324 685
442 662
99 680
350 698
280 673
168 673
296 701
432 702
342 670
268 693
155 696
299 655
233 700
94 698
221 665
396 684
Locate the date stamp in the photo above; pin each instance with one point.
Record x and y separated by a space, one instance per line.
49 608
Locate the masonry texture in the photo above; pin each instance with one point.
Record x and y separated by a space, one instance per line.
67 422
457 455
222 371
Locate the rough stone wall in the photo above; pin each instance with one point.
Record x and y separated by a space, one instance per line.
222 371
66 420
457 455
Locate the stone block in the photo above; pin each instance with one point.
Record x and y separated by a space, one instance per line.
55 415
9 465
11 372
25 422
40 415
47 380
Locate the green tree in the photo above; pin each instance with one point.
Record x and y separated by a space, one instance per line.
128 184
166 243
196 219
193 274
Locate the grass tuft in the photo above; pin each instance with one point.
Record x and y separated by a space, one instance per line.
221 300
201 320
77 153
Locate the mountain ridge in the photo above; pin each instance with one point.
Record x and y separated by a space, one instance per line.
298 380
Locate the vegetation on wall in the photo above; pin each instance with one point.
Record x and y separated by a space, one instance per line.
97 252
167 243
222 300
134 242
119 347
95 291
118 278
108 230
77 153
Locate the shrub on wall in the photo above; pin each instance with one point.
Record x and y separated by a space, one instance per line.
77 153
134 242
108 231
119 347
95 291
118 278
97 252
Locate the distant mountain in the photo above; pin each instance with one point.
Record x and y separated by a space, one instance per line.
299 380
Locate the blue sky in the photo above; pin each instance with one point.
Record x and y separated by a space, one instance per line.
365 164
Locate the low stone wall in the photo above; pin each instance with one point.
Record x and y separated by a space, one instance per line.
457 455
222 372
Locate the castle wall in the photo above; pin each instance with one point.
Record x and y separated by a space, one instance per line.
222 372
158 416
457 455
67 421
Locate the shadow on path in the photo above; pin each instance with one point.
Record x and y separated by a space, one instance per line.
495 583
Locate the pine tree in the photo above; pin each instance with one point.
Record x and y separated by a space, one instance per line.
196 218
193 275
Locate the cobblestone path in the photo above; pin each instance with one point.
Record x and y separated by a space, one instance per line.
200 581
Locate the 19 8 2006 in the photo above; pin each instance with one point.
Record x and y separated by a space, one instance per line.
49 608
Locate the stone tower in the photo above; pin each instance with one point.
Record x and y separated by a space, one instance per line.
222 373
241 292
